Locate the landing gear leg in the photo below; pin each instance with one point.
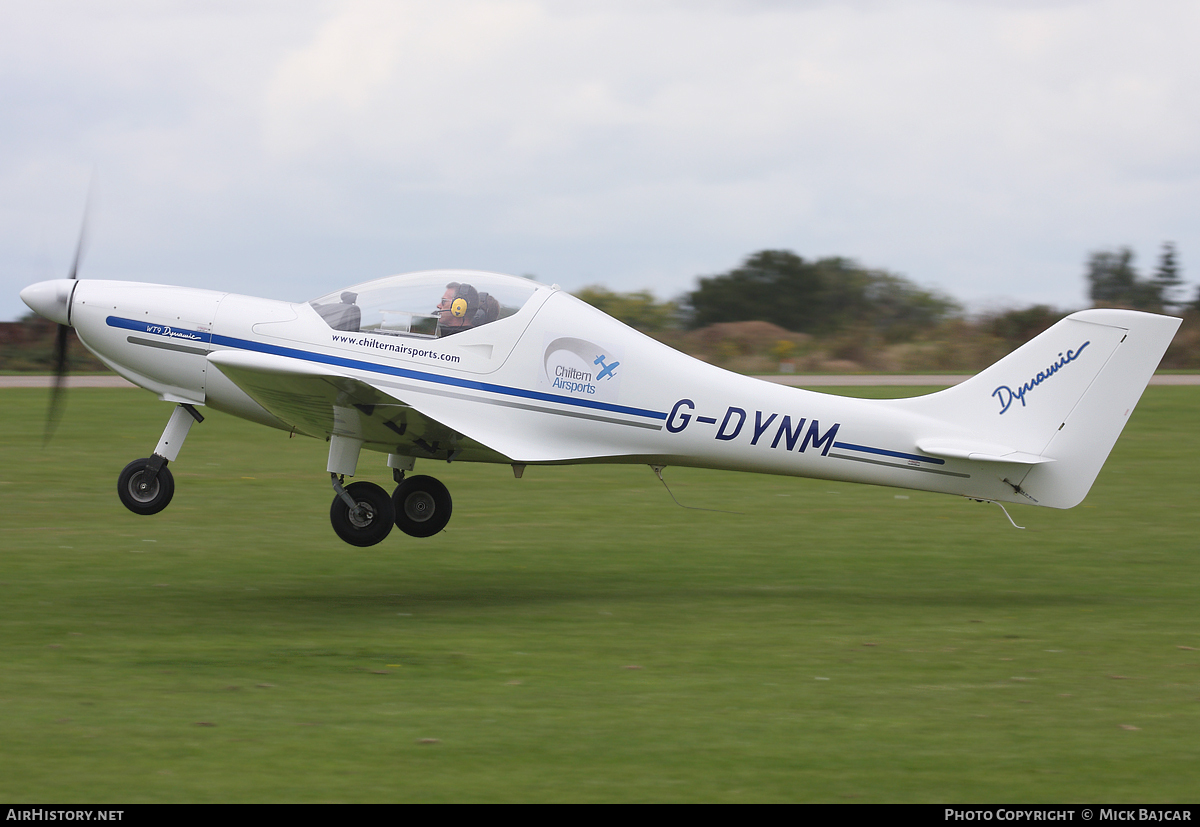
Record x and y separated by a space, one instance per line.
399 463
145 486
361 513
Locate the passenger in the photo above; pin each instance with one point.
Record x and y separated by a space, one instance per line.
457 309
489 309
344 316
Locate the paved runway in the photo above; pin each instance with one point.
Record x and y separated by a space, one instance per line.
72 382
796 380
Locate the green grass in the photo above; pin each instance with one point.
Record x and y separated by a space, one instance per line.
830 643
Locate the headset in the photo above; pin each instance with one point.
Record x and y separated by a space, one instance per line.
465 302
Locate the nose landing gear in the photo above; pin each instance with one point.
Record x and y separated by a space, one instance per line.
145 486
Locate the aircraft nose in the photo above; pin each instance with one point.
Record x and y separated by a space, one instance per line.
50 299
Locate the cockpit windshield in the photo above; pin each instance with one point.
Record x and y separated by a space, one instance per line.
426 305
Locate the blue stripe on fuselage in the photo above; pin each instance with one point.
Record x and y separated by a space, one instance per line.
883 452
357 364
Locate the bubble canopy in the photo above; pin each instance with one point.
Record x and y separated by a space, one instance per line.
425 305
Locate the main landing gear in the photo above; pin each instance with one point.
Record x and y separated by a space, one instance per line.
363 513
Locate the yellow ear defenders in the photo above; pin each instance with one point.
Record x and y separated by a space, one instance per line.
458 307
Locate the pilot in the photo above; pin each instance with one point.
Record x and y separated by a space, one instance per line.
457 309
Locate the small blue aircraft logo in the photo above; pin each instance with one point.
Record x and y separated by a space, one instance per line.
607 372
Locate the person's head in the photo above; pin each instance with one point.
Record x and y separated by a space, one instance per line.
456 310
489 307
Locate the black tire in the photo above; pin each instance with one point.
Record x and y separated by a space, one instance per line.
422 506
369 526
149 500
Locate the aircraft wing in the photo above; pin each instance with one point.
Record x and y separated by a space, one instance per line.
318 400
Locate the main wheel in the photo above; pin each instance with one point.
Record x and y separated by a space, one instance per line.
422 506
139 497
367 524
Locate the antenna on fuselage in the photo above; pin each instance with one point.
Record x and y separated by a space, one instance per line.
658 469
1002 508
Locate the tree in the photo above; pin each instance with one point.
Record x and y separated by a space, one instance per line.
638 309
775 286
900 309
821 296
1114 281
1166 277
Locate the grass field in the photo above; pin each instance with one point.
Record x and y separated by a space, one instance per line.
574 635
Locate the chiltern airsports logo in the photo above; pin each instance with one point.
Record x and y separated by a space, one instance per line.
1005 395
577 367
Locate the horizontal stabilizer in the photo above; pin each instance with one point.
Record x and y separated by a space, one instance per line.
978 452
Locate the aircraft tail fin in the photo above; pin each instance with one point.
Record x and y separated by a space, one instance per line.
1055 406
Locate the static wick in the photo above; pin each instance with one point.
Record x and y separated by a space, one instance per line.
658 469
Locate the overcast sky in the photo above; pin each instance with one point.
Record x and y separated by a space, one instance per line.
288 149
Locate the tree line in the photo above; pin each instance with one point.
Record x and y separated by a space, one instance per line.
829 295
819 296
833 310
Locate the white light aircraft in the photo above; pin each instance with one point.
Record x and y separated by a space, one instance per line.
463 366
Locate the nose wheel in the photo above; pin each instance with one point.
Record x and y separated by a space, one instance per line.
145 486
422 506
144 489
